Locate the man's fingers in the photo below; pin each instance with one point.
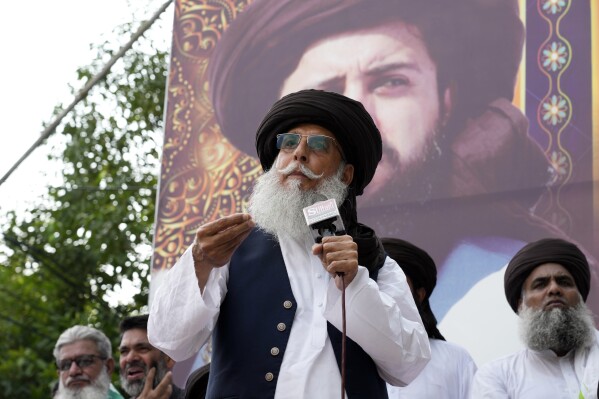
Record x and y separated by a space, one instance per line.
216 246
149 379
235 238
215 239
164 389
223 224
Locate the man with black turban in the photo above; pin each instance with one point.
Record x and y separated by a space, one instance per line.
547 283
449 373
256 281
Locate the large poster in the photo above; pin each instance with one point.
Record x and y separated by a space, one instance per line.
485 108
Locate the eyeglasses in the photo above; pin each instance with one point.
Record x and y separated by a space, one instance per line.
82 362
316 143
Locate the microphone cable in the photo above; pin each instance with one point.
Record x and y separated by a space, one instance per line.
343 334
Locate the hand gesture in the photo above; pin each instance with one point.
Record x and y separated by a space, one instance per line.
162 390
216 241
339 254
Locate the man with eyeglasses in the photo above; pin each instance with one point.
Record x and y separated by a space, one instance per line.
270 297
84 360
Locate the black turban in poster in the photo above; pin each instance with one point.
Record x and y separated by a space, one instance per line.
421 269
347 119
547 250
470 41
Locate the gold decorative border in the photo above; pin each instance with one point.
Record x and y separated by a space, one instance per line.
203 177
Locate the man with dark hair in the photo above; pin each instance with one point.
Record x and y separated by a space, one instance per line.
271 298
546 284
145 370
84 359
449 373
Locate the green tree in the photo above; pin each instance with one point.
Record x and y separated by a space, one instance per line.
92 233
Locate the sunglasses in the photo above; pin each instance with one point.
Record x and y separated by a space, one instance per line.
316 143
82 362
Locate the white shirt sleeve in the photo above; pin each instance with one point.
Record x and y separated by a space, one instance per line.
487 384
181 319
383 319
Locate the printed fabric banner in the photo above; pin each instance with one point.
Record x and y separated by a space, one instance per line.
488 113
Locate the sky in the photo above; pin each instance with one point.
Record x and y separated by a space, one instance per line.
42 44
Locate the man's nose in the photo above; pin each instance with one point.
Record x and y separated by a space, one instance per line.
555 288
131 356
75 369
300 153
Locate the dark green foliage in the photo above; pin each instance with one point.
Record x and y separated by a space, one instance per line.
91 232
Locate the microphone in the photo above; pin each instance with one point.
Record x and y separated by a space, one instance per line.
324 219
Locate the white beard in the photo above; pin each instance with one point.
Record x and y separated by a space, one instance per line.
277 208
97 390
557 329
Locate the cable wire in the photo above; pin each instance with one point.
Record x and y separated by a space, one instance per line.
85 90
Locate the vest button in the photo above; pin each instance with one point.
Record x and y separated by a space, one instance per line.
287 304
274 351
281 327
269 376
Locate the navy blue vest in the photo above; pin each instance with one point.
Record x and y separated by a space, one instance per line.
253 328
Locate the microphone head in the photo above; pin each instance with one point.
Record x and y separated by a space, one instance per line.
324 219
321 210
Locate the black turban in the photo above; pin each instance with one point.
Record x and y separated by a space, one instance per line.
421 269
264 43
359 139
347 119
547 250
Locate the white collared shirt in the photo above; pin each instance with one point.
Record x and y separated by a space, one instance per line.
447 375
381 317
530 374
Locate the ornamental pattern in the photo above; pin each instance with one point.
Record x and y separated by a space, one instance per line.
203 177
554 6
554 111
555 56
559 166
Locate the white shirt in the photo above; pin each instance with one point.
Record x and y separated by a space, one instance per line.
447 375
532 374
381 317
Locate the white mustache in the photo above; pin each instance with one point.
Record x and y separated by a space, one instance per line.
303 169
78 378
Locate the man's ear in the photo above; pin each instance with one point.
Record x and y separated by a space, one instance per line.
170 363
448 101
110 366
519 304
348 174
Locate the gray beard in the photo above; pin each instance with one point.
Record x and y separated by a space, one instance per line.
560 330
134 388
277 208
97 390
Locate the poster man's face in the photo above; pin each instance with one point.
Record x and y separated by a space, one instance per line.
388 69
